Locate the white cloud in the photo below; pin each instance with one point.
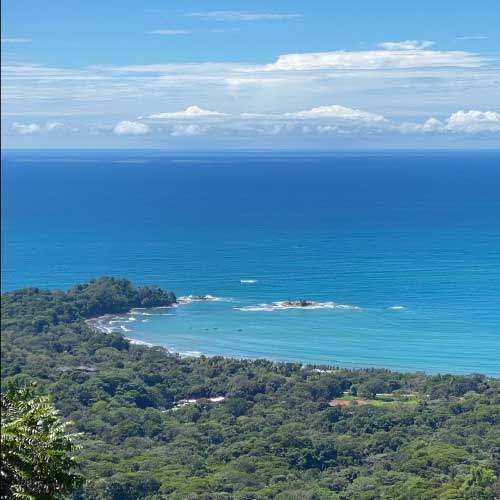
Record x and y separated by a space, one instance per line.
26 129
324 114
336 112
325 129
431 125
244 81
170 32
291 96
172 69
406 45
320 119
409 59
187 130
343 120
173 32
472 122
472 37
460 122
53 126
39 72
236 15
35 128
326 119
376 59
189 113
16 40
131 128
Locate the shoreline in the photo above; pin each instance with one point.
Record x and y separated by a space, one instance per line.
95 324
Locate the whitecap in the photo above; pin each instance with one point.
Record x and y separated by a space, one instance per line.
259 307
102 327
139 342
105 329
125 329
148 314
248 281
187 299
295 304
396 308
191 354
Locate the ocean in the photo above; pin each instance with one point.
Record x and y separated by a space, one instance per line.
410 241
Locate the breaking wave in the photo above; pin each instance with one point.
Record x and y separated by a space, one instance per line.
190 354
187 299
295 304
139 342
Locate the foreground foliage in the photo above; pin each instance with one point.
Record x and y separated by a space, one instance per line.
274 436
37 452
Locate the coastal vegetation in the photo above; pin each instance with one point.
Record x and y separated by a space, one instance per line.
37 451
156 426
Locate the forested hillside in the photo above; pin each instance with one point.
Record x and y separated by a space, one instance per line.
274 431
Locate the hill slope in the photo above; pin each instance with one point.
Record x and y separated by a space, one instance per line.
274 435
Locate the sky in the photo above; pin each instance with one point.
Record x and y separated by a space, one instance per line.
260 75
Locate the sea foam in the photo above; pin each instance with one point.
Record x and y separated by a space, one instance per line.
139 342
299 304
190 354
187 299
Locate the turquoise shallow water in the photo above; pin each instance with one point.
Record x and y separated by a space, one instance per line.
418 230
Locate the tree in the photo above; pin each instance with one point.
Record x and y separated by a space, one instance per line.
371 388
273 436
37 460
479 484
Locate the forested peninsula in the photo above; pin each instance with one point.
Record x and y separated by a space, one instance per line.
159 426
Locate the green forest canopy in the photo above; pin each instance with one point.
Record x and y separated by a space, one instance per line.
275 436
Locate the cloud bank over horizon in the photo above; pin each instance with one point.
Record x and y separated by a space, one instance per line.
399 89
332 120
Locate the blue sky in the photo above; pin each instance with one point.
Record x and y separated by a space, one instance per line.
250 75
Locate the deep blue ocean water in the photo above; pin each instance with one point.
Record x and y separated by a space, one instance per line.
417 230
